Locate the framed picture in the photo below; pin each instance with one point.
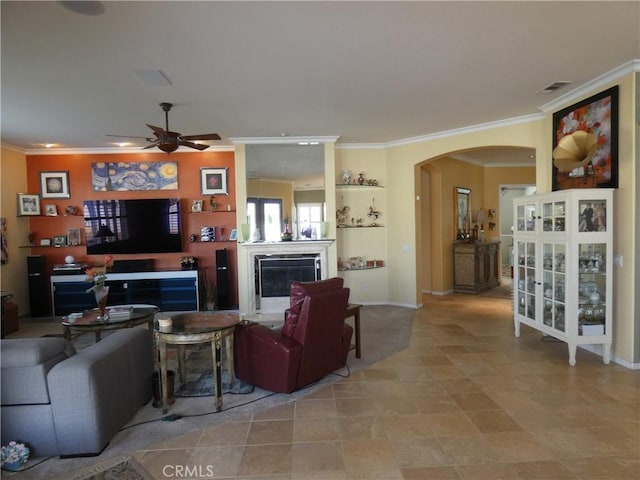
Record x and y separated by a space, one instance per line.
54 185
462 214
28 204
197 206
73 236
213 181
59 240
50 210
598 115
233 236
45 242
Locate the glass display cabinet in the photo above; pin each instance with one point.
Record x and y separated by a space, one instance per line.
563 262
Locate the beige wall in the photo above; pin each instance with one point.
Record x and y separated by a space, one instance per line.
403 204
370 286
13 180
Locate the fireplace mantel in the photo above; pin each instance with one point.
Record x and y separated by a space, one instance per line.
251 250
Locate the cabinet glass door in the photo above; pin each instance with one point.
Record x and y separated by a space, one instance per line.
592 216
525 217
592 288
553 285
526 277
553 216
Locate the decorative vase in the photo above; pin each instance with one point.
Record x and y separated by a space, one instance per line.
101 294
244 228
14 466
324 229
286 235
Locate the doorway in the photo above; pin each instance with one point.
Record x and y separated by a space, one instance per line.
506 196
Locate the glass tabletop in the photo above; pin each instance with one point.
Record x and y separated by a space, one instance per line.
197 322
117 314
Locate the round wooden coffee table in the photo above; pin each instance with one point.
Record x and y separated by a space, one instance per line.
191 328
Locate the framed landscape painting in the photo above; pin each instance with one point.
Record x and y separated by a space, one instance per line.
598 115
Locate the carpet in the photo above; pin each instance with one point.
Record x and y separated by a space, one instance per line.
385 330
204 386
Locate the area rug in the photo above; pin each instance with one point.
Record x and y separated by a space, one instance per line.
385 330
204 386
121 468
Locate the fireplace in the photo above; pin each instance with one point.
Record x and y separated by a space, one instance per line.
272 268
276 272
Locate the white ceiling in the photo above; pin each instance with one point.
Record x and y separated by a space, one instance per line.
367 72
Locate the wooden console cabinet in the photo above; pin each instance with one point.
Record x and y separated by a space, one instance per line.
475 266
170 291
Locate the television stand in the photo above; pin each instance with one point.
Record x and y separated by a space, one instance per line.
170 291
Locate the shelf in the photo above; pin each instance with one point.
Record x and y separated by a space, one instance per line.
344 185
50 216
215 241
212 211
50 246
358 226
359 268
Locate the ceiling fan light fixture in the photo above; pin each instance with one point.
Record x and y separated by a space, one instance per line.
168 147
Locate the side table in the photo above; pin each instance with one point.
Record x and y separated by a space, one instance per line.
353 310
192 328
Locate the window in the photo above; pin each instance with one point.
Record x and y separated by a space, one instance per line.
309 216
264 215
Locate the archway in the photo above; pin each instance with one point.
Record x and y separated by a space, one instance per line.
482 170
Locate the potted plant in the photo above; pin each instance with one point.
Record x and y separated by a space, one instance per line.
210 292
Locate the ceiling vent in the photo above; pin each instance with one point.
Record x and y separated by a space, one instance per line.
553 87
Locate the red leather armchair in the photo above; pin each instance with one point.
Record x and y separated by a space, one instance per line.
313 342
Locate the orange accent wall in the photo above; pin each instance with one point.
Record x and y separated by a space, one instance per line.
80 188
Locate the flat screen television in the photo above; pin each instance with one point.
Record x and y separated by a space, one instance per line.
151 225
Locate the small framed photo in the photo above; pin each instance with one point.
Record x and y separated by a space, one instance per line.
50 210
28 204
45 242
233 236
73 236
54 185
59 240
196 206
213 181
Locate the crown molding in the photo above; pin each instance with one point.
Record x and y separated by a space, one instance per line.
119 150
286 140
587 88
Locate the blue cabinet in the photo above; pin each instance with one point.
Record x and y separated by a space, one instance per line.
172 291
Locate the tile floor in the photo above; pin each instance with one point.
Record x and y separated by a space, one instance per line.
466 400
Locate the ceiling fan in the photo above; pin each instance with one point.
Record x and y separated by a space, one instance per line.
169 141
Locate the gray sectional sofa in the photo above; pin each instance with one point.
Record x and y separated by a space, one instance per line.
62 402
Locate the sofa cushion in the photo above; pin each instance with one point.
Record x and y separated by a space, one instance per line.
299 290
25 365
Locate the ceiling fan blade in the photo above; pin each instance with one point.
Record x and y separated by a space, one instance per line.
204 136
197 146
157 131
151 145
130 136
